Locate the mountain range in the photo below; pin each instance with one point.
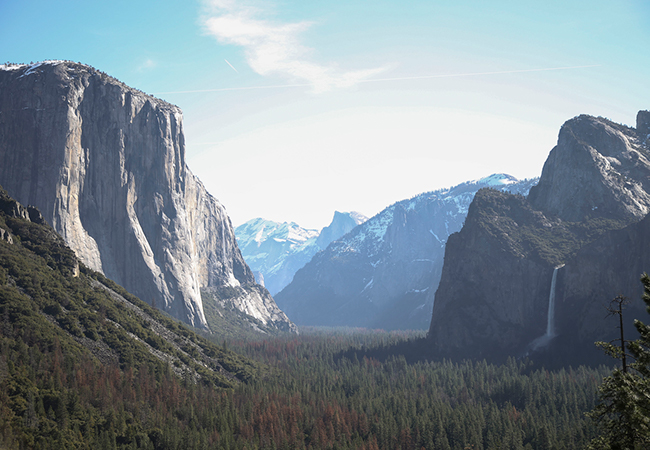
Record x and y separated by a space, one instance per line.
275 251
380 274
495 267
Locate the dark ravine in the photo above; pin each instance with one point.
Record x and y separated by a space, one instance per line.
589 213
105 163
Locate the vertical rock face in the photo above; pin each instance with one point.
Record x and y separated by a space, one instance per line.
588 214
105 164
342 223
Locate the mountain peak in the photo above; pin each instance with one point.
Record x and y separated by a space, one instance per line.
342 223
380 274
643 125
597 169
501 286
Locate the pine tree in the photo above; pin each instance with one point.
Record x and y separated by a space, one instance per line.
624 409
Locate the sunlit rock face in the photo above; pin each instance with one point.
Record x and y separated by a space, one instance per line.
380 274
588 214
598 169
105 164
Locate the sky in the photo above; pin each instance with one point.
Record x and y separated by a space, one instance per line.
294 109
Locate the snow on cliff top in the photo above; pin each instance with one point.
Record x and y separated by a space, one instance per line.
259 230
497 179
32 66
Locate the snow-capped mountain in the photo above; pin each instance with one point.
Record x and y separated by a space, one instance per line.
275 251
378 275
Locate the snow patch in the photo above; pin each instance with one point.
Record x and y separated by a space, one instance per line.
416 291
369 285
436 236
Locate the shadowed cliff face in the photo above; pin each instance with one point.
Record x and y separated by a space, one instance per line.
587 214
106 165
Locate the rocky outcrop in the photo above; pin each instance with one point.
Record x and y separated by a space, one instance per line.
586 215
380 274
105 164
342 223
597 169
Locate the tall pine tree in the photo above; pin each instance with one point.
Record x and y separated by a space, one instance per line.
623 413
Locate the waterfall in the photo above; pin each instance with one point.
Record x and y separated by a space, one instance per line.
550 319
544 339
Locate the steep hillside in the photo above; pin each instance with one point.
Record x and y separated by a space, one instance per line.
275 251
105 163
379 275
498 294
75 345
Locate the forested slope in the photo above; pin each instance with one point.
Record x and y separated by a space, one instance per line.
85 364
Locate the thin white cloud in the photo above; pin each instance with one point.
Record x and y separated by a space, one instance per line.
147 64
275 48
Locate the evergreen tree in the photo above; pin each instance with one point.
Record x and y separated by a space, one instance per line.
624 409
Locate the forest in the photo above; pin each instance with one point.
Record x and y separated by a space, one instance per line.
307 398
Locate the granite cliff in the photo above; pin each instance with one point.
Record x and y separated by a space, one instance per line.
587 217
105 163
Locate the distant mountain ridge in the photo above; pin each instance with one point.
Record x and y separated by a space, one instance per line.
556 258
276 251
378 275
105 164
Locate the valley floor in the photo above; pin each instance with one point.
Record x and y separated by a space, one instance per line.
320 394
311 391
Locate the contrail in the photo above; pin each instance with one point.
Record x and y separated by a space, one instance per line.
470 74
233 67
375 80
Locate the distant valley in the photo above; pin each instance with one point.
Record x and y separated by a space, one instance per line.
133 315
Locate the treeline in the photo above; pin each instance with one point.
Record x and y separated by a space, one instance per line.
84 364
50 400
310 400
